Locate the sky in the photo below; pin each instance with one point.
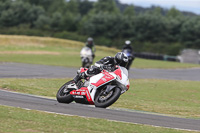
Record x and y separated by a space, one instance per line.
182 5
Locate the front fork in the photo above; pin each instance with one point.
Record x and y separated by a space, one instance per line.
108 89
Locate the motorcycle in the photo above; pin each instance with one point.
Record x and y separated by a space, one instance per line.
86 57
101 90
131 57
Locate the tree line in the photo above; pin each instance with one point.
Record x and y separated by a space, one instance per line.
109 22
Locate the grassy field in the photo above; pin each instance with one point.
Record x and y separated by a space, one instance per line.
25 121
59 52
161 96
180 98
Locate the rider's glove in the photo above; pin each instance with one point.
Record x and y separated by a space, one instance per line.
101 67
78 71
108 67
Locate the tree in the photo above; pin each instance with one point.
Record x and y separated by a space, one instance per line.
149 27
70 21
157 11
73 6
44 3
56 6
56 21
84 6
33 14
129 11
43 22
190 33
14 13
107 6
173 12
173 27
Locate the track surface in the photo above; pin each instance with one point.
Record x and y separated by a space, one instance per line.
51 105
19 70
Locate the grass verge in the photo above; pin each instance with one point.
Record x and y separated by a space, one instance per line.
171 97
60 52
18 120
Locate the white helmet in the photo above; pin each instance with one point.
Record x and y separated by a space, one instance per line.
90 39
127 42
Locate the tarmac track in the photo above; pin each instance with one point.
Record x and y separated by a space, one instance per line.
19 70
51 105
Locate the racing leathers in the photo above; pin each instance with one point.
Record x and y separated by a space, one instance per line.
105 63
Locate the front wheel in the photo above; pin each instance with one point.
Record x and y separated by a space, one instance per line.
63 94
103 100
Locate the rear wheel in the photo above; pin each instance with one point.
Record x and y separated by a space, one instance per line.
104 100
63 94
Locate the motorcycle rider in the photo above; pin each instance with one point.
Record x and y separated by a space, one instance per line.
129 49
90 44
127 45
105 63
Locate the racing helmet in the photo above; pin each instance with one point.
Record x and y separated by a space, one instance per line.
90 41
127 42
121 59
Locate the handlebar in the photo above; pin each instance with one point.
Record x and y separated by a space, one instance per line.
108 68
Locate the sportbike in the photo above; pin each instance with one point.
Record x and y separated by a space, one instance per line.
86 57
101 90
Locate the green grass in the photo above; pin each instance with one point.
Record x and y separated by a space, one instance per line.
144 63
60 52
18 120
161 96
181 98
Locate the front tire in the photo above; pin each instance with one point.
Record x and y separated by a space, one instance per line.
103 101
63 94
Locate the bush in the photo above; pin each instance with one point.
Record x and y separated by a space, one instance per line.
70 35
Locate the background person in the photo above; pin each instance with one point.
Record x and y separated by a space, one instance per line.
128 50
90 44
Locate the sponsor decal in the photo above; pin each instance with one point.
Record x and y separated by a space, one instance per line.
107 77
128 84
83 93
104 79
88 95
118 72
72 92
77 96
80 93
92 87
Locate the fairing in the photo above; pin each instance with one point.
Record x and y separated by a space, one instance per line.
88 92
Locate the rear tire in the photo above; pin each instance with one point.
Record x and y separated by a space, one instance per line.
102 102
64 97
